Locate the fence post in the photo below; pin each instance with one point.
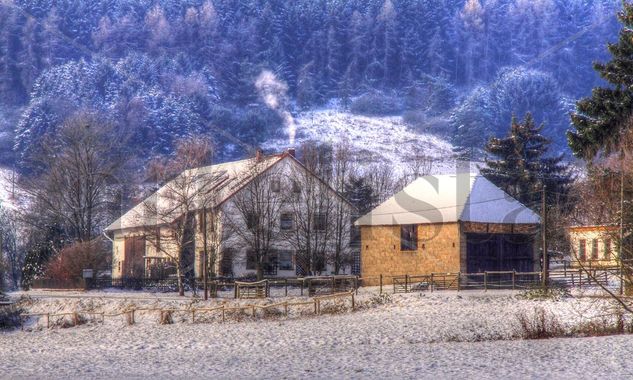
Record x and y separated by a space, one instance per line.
235 290
406 283
580 278
459 280
286 286
353 303
48 321
514 274
333 285
356 284
431 284
485 281
381 283
302 280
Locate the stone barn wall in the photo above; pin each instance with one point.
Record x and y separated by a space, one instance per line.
439 248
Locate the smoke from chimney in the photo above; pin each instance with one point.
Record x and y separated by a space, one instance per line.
274 93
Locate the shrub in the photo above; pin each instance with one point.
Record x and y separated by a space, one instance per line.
376 104
552 292
10 317
166 317
421 122
539 325
73 259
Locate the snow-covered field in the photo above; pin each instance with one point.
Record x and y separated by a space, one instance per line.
377 139
438 335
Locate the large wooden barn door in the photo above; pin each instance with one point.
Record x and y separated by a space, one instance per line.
133 262
499 252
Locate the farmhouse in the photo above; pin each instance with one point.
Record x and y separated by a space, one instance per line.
594 246
267 215
448 223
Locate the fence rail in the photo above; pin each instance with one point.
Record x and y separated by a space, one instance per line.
223 311
578 278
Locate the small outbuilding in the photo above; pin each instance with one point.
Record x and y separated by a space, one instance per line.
448 224
594 246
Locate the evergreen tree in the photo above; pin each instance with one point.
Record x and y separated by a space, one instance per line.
521 166
601 119
360 193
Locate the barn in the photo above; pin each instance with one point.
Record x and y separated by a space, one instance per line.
448 224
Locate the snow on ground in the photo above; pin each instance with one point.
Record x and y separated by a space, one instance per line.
428 335
378 139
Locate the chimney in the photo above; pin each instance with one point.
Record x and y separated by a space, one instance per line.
259 154
291 151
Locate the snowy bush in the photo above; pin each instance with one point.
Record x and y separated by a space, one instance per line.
377 104
540 324
10 317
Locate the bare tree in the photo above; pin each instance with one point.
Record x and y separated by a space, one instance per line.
381 179
77 170
170 213
11 257
255 213
342 170
314 208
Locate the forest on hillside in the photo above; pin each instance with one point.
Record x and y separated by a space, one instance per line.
162 69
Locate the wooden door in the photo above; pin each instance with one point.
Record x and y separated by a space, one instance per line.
134 259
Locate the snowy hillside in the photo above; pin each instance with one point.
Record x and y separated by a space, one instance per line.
375 139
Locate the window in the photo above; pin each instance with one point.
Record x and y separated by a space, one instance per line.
285 260
594 249
251 263
319 222
270 264
295 187
251 220
607 249
275 185
409 237
582 250
286 221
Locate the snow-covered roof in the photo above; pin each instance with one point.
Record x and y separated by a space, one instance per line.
466 197
224 179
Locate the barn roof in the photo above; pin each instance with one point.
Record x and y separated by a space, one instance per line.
224 179
467 197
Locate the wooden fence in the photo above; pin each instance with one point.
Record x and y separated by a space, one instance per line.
568 278
76 318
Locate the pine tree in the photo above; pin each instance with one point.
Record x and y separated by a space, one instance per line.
601 119
361 194
521 166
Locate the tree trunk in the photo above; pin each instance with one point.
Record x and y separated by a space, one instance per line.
179 275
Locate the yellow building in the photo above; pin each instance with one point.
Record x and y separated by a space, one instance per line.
594 246
448 224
